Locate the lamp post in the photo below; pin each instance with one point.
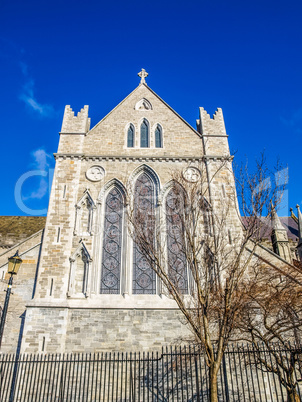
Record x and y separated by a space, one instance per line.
14 264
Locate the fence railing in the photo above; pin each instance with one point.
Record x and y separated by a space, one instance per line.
249 373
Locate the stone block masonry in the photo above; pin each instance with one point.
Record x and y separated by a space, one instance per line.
70 314
96 330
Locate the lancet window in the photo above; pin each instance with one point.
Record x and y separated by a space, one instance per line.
158 137
130 136
177 266
145 141
144 278
112 243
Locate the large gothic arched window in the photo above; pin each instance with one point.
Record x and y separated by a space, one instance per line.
112 243
144 278
145 134
177 266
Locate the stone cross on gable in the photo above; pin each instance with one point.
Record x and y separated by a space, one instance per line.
143 74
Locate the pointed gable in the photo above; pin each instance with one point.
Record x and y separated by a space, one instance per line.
143 106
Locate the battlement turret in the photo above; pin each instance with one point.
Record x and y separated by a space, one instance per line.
214 134
75 124
211 126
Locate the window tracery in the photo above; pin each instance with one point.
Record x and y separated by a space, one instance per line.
144 278
112 243
143 104
177 265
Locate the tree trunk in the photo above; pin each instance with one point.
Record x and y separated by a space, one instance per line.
293 396
213 384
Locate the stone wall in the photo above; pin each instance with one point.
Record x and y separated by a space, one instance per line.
22 290
57 319
94 330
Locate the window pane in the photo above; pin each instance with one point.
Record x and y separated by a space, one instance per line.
112 244
158 139
144 135
144 279
130 138
177 265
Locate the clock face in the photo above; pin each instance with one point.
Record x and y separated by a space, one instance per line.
95 173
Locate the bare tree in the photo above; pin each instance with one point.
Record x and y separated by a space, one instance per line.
270 318
202 248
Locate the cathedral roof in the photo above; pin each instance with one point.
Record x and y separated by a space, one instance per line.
287 222
14 229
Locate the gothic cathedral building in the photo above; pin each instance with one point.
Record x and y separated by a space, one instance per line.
88 286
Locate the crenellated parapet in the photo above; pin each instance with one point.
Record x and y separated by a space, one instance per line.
213 132
79 124
211 126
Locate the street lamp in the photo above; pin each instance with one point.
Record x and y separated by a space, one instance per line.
14 264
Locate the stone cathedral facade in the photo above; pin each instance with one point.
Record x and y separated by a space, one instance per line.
92 289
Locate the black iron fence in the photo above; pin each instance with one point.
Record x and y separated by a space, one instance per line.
249 373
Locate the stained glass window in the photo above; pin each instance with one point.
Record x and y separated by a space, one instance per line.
144 135
158 137
144 278
130 137
112 243
175 240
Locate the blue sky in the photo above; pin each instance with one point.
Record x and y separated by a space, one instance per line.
244 57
